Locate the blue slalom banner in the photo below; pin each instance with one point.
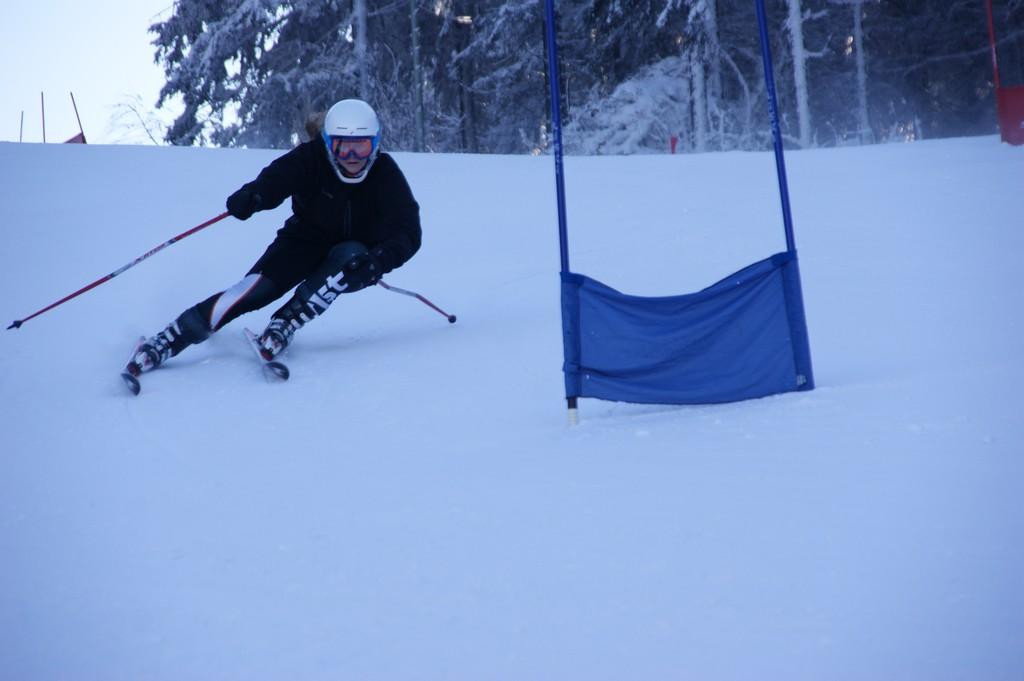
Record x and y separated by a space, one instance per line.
741 338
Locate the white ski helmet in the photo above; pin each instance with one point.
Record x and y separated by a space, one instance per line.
351 120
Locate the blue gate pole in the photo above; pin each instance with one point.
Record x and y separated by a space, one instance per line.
556 131
794 296
773 106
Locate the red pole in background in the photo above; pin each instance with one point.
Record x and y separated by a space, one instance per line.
673 141
992 41
1009 100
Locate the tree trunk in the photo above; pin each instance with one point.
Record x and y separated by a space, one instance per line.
360 12
465 17
803 110
417 79
714 61
700 106
685 138
865 133
715 47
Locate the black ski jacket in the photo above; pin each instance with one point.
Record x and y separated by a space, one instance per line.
379 211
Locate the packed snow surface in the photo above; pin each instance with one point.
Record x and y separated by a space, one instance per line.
412 503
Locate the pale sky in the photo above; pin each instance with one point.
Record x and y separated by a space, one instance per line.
97 49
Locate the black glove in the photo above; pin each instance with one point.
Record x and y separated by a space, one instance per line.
363 270
243 203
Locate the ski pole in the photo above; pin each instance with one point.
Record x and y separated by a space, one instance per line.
413 294
17 323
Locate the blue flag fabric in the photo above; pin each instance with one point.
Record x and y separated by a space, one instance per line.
741 338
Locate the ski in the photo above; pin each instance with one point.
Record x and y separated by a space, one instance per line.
131 381
272 368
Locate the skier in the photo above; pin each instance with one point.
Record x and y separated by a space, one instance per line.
353 220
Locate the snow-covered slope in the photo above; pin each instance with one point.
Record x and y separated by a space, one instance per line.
412 505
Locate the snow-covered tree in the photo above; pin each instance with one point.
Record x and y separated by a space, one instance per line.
250 72
640 115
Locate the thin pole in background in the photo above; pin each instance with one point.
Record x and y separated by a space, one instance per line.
42 106
21 130
80 129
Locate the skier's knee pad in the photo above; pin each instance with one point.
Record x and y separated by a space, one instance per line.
342 253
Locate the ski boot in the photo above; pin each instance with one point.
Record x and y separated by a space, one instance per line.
276 337
152 352
188 329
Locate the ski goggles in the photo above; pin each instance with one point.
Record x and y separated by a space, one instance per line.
345 148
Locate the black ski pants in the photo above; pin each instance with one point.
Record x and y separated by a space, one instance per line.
288 262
